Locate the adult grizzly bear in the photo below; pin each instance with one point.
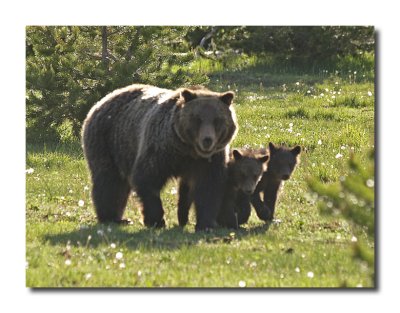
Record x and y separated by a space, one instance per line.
139 136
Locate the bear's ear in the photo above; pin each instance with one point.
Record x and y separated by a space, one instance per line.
263 159
188 95
237 155
271 147
296 150
227 97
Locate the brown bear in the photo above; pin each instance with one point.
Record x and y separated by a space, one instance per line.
242 175
281 165
138 137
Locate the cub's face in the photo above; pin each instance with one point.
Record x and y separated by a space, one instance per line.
283 161
206 122
248 171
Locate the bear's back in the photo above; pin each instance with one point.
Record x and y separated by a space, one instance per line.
117 121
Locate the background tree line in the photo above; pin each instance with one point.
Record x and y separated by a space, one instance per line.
69 68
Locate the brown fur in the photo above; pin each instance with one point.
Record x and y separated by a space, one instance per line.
139 136
282 163
244 172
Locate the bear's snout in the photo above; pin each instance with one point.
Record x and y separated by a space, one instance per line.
207 143
207 138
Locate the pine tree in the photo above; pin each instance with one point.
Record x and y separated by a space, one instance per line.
353 198
69 68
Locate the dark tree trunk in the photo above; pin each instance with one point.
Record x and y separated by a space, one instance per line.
104 51
134 43
208 36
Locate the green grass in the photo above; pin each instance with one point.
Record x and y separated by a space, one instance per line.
65 247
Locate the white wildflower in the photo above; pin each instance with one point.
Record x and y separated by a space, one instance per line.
119 255
253 264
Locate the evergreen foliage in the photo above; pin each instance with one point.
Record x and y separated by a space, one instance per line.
353 197
70 68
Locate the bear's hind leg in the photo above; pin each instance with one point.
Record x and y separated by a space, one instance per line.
152 210
148 191
110 194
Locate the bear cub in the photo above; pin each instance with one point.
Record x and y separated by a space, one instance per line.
281 165
244 171
242 174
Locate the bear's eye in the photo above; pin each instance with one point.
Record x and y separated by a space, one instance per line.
196 121
218 122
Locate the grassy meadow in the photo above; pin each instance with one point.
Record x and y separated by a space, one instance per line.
330 115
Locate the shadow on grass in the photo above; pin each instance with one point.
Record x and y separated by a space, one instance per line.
148 238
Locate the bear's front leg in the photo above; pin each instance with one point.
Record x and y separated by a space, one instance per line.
243 208
227 217
184 202
269 212
262 210
208 191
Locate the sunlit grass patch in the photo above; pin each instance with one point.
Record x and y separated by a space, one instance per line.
65 247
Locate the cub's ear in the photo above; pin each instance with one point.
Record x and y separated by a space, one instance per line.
227 97
263 159
296 150
271 147
188 95
237 155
